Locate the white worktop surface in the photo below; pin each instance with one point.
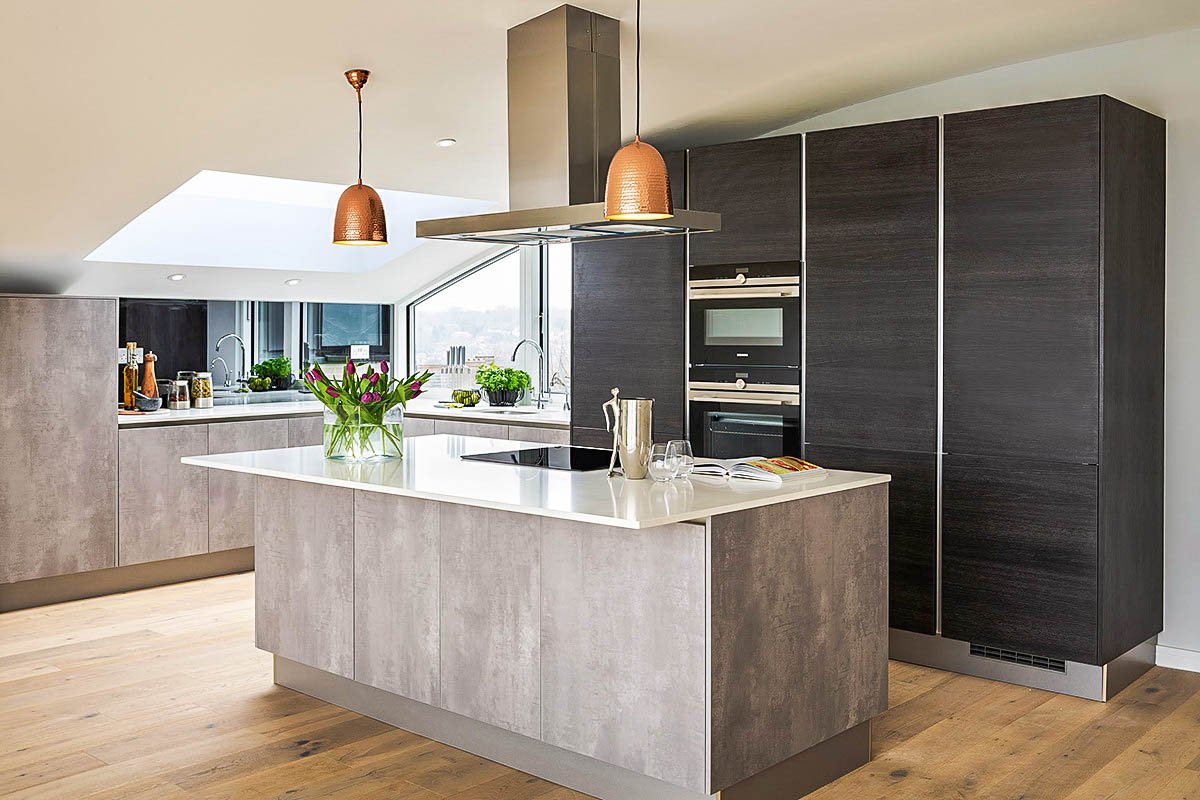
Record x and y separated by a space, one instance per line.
523 415
431 469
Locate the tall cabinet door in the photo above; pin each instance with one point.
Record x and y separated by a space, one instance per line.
628 326
58 440
872 284
1022 288
755 187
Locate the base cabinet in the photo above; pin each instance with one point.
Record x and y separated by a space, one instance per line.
231 496
163 506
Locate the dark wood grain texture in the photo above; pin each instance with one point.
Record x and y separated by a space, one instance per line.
872 286
755 187
912 527
58 440
1131 439
1019 554
628 326
1022 242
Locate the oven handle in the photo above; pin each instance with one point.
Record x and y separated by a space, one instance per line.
743 294
740 385
748 399
742 281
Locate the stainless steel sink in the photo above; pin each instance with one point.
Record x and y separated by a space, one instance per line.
228 397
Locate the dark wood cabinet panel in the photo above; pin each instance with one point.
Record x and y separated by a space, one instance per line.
755 187
872 286
1131 440
1022 245
1019 555
629 300
912 528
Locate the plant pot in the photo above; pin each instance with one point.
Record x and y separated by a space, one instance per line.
364 435
282 382
503 397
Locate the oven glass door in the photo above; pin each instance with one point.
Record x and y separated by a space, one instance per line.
745 331
737 430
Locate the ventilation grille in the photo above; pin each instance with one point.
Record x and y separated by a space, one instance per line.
1013 657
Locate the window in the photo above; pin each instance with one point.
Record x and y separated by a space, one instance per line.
331 329
480 316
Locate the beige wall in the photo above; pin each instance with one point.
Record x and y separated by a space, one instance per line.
1160 74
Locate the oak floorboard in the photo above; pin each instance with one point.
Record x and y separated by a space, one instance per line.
160 694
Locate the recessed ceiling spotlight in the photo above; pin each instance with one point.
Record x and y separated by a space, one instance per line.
447 142
292 282
176 276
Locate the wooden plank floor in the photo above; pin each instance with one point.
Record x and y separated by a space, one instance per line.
160 694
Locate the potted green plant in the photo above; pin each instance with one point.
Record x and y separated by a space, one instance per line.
504 385
278 371
364 414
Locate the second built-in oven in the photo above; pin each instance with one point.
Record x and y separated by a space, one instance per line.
745 316
735 413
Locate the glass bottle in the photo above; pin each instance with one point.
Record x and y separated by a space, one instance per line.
129 376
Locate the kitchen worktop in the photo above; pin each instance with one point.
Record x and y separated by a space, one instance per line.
432 469
420 408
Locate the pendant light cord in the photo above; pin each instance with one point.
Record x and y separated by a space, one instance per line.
637 117
359 93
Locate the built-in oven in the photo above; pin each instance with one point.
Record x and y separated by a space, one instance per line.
735 412
745 315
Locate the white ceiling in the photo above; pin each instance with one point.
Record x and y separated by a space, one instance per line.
111 106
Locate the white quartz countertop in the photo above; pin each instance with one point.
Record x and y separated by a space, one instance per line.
521 415
432 469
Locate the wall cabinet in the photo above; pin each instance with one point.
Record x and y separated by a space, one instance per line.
58 449
755 187
230 495
163 509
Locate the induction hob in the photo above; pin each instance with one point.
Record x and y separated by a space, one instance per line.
576 459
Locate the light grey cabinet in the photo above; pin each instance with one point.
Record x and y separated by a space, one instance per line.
305 431
58 445
304 573
462 428
163 509
418 426
528 433
230 495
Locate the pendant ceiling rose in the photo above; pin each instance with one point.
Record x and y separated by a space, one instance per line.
638 187
359 219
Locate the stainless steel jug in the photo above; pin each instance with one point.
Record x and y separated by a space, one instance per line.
631 429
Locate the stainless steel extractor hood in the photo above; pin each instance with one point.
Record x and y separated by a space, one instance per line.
564 125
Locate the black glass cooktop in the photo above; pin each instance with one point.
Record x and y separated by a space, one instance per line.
577 459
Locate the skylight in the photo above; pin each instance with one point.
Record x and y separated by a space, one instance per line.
225 219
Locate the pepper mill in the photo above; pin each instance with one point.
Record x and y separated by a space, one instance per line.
149 382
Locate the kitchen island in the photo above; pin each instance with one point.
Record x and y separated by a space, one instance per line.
624 638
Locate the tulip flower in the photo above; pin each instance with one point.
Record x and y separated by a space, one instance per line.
367 397
383 367
329 390
350 368
373 379
415 388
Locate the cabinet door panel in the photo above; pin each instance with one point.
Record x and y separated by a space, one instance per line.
163 509
231 495
872 286
488 430
58 449
1022 281
755 187
305 431
1019 550
912 528
419 426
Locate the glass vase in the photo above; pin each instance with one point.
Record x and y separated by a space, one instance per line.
364 434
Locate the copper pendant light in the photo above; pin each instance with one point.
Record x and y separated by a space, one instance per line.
638 188
359 217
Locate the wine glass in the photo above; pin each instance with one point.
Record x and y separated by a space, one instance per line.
663 462
685 462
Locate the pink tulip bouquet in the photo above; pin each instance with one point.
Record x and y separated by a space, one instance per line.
364 418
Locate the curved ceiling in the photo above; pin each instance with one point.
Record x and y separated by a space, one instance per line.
111 106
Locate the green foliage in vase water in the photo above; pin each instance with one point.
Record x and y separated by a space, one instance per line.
361 401
496 378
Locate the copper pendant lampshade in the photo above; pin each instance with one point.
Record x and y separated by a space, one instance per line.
638 187
359 219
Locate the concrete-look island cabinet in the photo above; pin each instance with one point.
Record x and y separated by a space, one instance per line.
625 638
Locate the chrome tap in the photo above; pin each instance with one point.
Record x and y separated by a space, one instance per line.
557 380
242 371
221 361
541 400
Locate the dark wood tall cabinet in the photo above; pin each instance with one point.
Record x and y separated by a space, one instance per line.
628 326
1053 377
872 332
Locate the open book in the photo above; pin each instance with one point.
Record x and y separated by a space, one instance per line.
758 468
